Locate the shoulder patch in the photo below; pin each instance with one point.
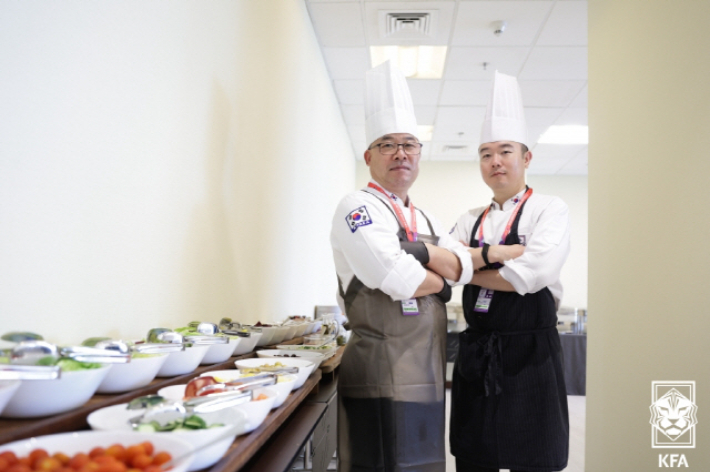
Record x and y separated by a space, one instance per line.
358 217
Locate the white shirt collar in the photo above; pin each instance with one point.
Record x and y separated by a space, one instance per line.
511 202
394 197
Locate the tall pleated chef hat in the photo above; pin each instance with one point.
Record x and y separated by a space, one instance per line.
505 119
388 103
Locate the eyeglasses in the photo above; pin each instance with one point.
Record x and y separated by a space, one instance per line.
388 149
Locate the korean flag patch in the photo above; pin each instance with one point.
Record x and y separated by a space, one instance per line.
358 217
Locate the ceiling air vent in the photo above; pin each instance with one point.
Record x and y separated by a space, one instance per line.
407 25
456 149
408 22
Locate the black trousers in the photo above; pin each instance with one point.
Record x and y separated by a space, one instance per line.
462 466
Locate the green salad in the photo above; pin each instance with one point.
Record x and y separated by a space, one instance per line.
191 423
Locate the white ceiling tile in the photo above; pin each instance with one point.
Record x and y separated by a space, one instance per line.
424 91
573 116
550 93
466 63
350 92
456 124
578 165
441 15
466 92
426 114
544 152
474 22
353 114
541 117
338 24
556 63
549 166
566 26
581 99
347 63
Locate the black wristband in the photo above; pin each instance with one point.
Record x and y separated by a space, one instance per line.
417 249
484 254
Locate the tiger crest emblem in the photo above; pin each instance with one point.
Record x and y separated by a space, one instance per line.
673 414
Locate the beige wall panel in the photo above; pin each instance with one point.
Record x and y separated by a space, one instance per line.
649 115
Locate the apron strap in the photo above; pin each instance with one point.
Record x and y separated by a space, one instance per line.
401 229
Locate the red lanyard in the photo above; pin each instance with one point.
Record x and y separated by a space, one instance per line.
411 233
525 196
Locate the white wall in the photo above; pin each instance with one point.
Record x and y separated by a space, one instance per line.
448 189
164 162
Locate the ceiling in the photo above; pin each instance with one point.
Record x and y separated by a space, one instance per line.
544 45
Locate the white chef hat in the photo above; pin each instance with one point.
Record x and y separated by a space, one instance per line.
505 119
388 103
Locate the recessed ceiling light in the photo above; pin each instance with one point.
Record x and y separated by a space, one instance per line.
416 62
425 132
567 134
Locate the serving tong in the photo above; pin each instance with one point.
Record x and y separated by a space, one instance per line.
141 347
25 354
168 336
165 412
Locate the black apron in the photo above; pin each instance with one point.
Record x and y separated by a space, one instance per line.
509 402
391 410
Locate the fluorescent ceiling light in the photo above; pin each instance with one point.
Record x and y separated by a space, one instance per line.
568 134
416 62
425 132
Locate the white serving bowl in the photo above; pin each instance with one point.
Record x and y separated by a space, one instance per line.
283 387
302 327
281 337
183 362
312 356
268 333
85 441
173 392
255 411
247 345
115 418
304 367
7 390
132 375
290 331
36 398
220 352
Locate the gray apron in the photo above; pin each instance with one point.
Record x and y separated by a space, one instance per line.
391 410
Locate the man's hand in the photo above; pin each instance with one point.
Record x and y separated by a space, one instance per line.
505 253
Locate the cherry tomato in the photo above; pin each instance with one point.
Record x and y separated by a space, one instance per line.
61 457
194 385
79 461
141 461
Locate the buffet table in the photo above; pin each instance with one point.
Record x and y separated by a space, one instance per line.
574 362
294 420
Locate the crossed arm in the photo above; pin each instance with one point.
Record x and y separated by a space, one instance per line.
443 262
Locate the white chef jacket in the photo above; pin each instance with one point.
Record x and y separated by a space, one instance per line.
365 245
544 228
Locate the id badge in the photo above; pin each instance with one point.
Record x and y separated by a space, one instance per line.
409 307
485 295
